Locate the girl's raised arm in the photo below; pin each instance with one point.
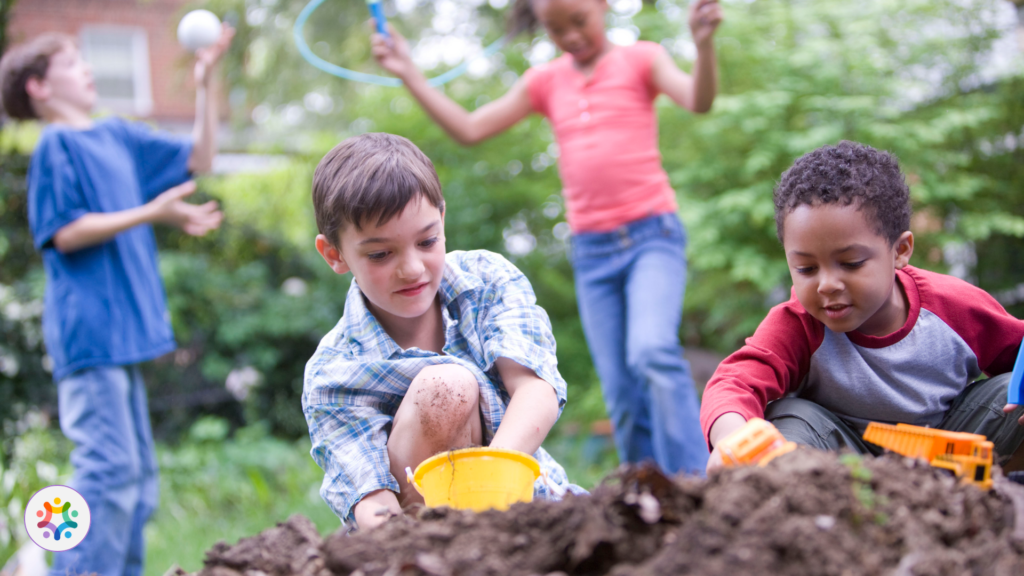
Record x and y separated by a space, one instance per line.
697 92
465 127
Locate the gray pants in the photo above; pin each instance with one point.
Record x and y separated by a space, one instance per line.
978 410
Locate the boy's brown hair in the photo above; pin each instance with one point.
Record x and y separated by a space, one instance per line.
24 61
371 178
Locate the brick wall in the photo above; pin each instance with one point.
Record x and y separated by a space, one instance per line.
172 87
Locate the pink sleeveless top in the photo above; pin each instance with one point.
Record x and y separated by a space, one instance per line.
607 135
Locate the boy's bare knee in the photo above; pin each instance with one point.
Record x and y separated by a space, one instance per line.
444 397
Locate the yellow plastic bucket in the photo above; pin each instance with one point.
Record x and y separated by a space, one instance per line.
476 478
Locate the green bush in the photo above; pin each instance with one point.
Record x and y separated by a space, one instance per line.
24 381
35 457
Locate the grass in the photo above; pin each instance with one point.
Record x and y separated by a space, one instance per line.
214 488
586 459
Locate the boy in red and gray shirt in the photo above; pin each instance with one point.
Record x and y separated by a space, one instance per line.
865 336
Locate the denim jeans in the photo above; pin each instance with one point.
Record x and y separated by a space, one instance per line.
104 412
630 284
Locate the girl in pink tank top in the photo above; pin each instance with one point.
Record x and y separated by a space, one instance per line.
628 246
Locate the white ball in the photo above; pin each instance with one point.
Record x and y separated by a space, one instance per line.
198 29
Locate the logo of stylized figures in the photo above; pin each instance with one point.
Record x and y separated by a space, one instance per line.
64 511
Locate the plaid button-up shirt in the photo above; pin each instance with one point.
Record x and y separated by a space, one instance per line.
358 376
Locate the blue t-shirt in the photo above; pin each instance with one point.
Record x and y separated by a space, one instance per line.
104 305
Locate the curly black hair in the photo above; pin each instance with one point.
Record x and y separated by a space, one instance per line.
844 174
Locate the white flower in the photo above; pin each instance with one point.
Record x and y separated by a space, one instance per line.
294 286
241 380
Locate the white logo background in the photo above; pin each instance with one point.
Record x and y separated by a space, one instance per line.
45 537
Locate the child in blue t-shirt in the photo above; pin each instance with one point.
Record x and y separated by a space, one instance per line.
95 189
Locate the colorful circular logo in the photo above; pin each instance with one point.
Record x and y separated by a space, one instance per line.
57 518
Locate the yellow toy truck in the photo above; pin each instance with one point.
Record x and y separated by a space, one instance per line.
756 442
967 456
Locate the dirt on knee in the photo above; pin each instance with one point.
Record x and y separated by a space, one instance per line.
443 407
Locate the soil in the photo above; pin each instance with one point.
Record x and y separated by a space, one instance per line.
807 512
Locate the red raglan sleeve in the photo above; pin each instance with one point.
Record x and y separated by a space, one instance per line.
993 334
772 362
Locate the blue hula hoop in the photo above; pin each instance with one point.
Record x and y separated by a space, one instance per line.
347 74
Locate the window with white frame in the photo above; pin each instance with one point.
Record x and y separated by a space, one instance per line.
119 57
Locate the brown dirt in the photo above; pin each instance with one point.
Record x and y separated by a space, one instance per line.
806 513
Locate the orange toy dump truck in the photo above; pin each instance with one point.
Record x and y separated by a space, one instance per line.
756 442
968 456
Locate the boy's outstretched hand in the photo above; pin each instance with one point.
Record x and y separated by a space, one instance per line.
376 508
705 16
392 52
167 208
207 58
725 424
194 219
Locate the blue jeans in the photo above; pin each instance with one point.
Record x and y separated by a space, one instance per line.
104 412
630 284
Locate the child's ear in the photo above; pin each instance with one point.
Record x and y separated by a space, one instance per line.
331 255
904 249
37 88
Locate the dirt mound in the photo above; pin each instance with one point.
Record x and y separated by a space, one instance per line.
806 513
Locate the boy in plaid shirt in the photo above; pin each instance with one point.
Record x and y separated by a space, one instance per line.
434 352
